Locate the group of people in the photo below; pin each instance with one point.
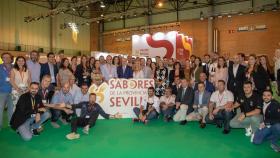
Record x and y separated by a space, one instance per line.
228 92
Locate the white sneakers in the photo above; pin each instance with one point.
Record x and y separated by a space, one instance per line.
72 136
86 130
252 138
249 131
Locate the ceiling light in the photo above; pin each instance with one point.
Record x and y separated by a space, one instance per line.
102 5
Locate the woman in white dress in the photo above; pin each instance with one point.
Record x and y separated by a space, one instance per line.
138 72
20 78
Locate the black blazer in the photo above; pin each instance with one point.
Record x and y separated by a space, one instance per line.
175 89
235 84
187 99
128 73
272 113
261 79
24 109
206 69
45 70
79 75
172 76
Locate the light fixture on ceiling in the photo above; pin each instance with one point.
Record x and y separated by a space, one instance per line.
102 5
159 4
274 9
252 12
201 15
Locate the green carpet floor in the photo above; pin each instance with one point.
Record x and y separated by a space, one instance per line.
122 138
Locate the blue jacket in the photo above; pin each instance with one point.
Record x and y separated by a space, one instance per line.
128 73
205 98
45 70
5 86
208 87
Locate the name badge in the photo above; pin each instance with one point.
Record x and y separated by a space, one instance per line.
87 116
7 79
44 101
84 77
21 85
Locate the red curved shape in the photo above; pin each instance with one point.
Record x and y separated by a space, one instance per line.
161 43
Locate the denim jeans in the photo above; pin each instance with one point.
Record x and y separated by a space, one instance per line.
25 130
152 115
6 99
272 133
223 117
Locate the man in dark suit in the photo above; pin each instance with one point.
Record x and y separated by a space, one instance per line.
124 71
206 64
29 114
184 102
208 85
49 68
236 76
176 86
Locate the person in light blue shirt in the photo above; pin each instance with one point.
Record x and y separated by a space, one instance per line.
34 67
6 87
62 96
201 100
109 70
82 95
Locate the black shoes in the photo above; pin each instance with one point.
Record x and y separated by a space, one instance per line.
167 119
275 147
225 131
35 132
183 122
135 120
219 126
202 125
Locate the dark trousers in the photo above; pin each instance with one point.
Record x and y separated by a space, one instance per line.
272 134
57 113
78 122
169 112
82 122
152 115
223 117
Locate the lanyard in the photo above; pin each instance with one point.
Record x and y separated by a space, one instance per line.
32 102
220 98
44 93
21 76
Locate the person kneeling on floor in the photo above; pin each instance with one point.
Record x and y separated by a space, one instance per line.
151 109
270 128
29 114
86 116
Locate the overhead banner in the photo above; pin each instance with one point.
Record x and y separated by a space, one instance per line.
170 45
122 95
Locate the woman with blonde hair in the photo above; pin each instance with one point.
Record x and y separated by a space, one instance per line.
138 72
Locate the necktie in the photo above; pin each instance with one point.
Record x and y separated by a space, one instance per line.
183 94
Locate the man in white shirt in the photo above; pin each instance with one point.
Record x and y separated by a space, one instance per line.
149 110
82 95
109 70
34 67
74 89
220 107
167 104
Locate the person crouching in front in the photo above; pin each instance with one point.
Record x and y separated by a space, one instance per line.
86 116
150 108
29 114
